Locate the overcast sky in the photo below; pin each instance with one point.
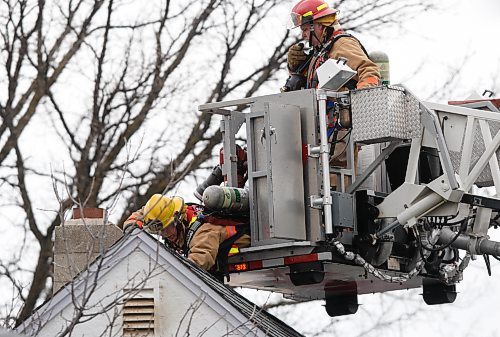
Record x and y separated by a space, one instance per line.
433 43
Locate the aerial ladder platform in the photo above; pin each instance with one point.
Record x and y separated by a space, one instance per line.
409 219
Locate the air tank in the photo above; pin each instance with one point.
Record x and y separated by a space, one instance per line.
215 178
382 60
223 198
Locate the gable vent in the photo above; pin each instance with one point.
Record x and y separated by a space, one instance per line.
139 315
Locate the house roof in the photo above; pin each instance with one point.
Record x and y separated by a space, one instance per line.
261 318
218 294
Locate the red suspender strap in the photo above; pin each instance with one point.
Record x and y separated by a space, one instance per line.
337 32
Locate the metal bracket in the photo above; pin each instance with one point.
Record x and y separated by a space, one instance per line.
318 202
441 186
313 151
272 132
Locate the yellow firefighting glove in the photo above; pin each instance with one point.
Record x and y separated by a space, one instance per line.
296 56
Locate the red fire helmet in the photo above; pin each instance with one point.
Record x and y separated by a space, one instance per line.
306 11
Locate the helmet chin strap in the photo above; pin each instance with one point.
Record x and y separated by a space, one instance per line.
312 33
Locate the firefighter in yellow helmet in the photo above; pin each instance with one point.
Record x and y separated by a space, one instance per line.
204 238
321 29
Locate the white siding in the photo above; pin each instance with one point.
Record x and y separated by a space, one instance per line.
177 307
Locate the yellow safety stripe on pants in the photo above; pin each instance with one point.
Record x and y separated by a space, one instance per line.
234 250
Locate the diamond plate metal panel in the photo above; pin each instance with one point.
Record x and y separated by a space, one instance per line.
384 113
412 113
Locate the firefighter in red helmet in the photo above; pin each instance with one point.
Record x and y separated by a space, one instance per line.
321 29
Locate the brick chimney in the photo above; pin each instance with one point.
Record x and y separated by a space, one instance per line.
79 241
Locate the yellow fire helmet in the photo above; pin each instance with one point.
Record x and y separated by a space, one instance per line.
164 209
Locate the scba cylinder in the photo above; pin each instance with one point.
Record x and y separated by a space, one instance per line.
215 178
230 199
381 59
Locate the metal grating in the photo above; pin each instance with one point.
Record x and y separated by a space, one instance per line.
139 315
